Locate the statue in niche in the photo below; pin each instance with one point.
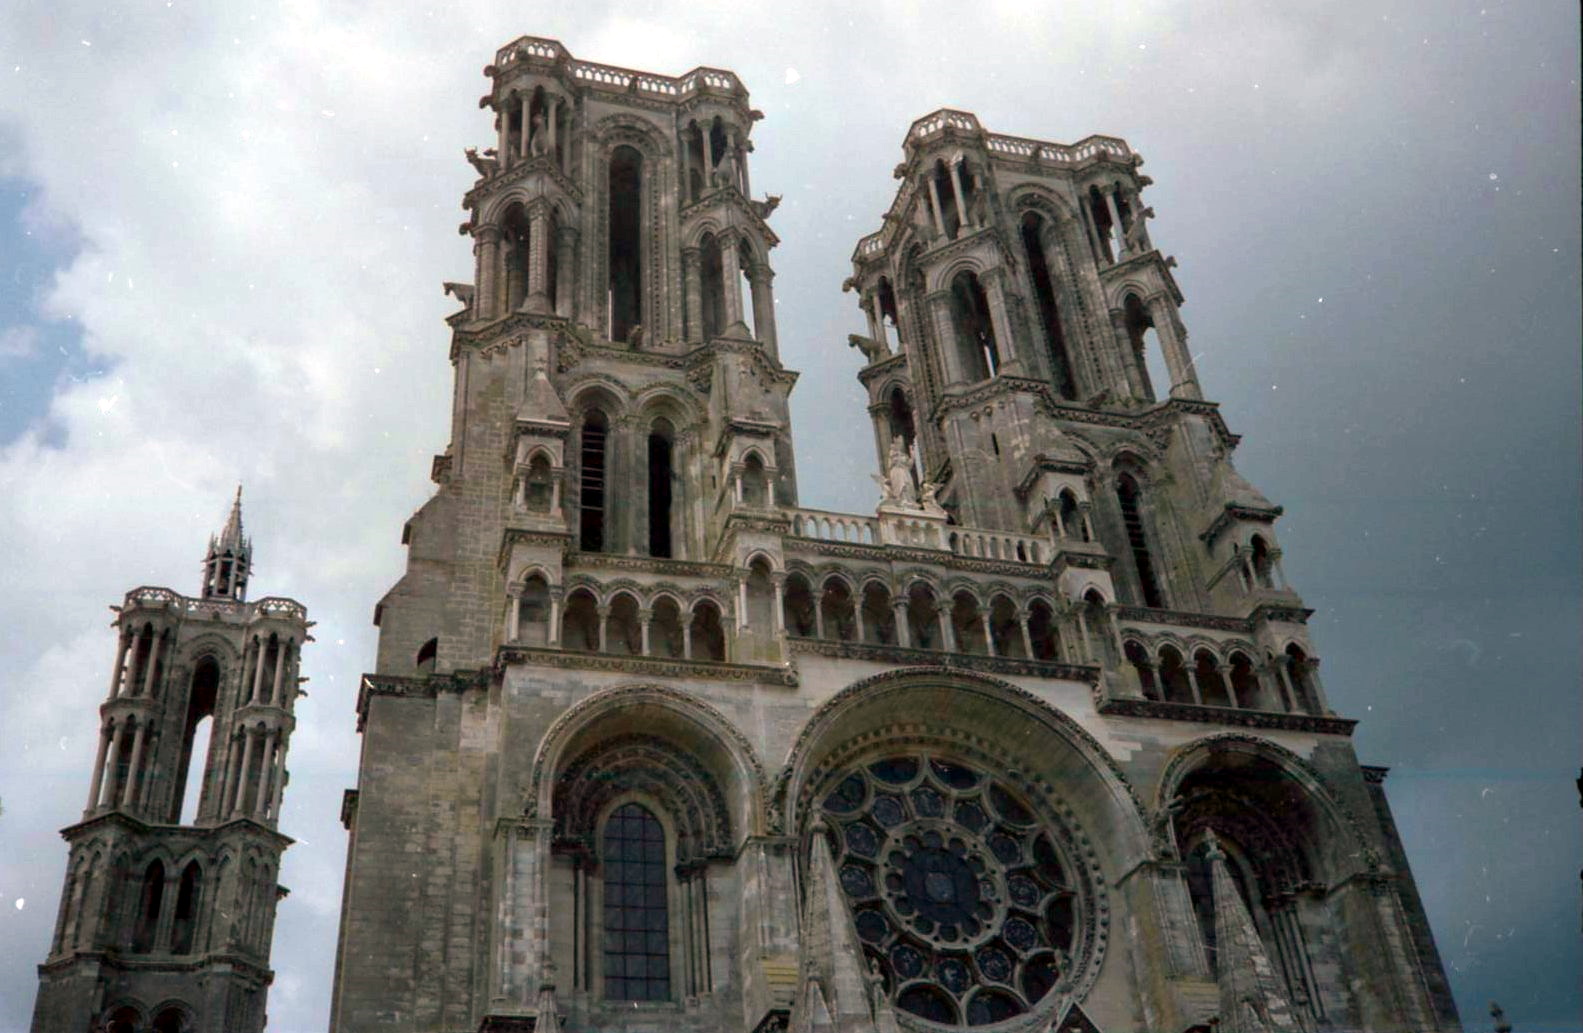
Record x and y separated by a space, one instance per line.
537 144
896 486
725 174
1136 240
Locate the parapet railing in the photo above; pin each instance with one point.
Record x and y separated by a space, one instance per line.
835 527
269 606
925 531
671 87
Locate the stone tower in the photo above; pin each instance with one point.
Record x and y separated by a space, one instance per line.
1038 744
169 904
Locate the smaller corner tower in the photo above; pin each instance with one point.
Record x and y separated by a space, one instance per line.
168 908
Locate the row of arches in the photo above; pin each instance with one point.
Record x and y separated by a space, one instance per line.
920 618
164 906
1284 683
662 625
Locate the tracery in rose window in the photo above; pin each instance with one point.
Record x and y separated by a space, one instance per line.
960 891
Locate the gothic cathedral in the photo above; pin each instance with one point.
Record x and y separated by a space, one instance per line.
1038 745
168 909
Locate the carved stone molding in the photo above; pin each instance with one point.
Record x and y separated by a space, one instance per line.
1159 709
653 666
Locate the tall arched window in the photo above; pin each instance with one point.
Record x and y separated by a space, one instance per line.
626 242
636 939
1033 231
185 922
975 331
150 902
707 633
879 617
836 612
661 478
539 489
755 482
591 485
580 623
515 240
196 730
711 286
798 606
533 613
1127 496
1148 355
1262 564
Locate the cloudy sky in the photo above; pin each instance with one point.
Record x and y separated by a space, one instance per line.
223 230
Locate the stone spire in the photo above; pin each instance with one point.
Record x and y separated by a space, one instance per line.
229 560
1251 996
838 992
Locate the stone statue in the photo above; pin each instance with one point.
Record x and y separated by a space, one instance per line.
899 477
928 498
1136 240
537 144
635 337
873 351
462 292
725 174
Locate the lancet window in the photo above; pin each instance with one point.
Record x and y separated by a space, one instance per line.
977 350
592 451
662 481
1128 497
636 937
1034 232
197 727
625 252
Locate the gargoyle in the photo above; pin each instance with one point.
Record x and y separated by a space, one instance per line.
462 292
763 208
483 166
874 351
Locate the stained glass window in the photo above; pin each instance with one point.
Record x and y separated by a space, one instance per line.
637 922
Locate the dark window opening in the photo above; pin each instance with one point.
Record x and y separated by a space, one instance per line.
975 331
1049 313
1132 519
661 479
428 654
185 921
947 195
626 242
1103 227
591 497
149 905
515 235
707 633
887 307
195 734
712 287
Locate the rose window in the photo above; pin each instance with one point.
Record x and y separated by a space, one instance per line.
958 890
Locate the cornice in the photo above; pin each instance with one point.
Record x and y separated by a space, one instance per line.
137 826
651 666
1274 612
576 561
522 168
908 657
1160 710
1183 619
1234 512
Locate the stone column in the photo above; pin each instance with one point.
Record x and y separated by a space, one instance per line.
730 266
523 103
956 188
1027 638
1006 352
282 651
244 772
871 310
487 247
945 334
693 294
553 633
107 798
604 624
565 276
503 147
687 635
120 662
989 634
1131 373
266 774
538 298
1173 342
514 619
279 780
645 615
1192 680
258 671
1117 240
151 664
95 784
947 633
760 276
778 581
898 605
934 206
129 791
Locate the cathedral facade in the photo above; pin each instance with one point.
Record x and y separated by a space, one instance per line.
1039 744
